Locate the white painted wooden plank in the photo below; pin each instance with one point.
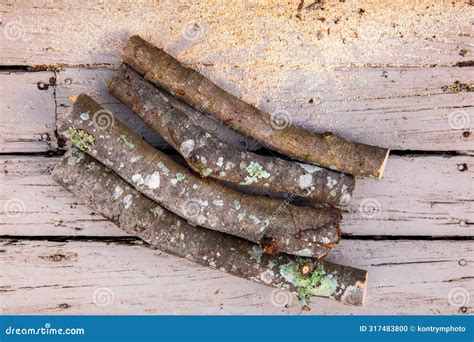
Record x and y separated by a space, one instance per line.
32 204
27 114
407 109
42 277
250 34
399 108
426 196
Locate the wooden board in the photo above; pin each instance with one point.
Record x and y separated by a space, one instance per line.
405 110
78 277
396 75
27 120
417 205
399 33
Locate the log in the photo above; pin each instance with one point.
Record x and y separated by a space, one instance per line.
276 225
106 193
273 131
177 124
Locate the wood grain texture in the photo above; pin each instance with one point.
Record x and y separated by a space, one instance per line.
400 33
405 110
419 205
27 115
75 277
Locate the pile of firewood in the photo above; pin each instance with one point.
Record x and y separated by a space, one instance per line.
199 208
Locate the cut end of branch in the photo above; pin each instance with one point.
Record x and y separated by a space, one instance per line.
384 164
73 98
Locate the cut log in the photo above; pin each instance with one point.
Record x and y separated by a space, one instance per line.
274 131
106 193
176 123
276 225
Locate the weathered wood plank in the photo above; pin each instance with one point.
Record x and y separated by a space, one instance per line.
405 110
426 196
42 277
27 116
275 33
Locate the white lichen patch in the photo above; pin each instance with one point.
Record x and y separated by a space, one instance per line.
134 159
220 162
147 106
345 199
206 172
187 147
180 177
255 171
84 116
237 205
138 179
331 183
267 276
124 139
118 191
305 181
127 201
255 219
158 211
310 168
218 202
153 181
74 159
256 253
305 252
163 169
325 240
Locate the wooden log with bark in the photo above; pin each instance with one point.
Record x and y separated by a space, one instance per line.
106 193
276 225
211 157
275 132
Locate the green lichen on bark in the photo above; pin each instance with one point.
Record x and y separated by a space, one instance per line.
315 283
81 139
124 139
255 172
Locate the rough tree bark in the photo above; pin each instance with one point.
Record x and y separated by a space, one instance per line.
211 157
277 133
276 225
106 193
